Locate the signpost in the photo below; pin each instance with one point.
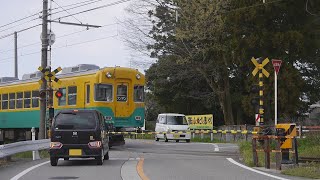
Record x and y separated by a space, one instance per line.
276 65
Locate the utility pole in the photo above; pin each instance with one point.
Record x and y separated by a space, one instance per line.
44 56
15 55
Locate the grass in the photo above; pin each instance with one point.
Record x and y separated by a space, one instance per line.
196 139
308 147
310 170
28 154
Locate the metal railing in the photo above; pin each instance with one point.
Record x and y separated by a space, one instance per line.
23 146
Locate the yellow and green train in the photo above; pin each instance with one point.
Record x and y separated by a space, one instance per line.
117 92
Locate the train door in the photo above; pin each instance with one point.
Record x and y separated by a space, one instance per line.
122 99
87 93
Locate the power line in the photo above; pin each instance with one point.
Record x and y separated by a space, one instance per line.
96 8
19 20
60 47
10 34
65 35
66 11
90 2
19 24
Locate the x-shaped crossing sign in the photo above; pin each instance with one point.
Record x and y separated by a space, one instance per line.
49 75
260 66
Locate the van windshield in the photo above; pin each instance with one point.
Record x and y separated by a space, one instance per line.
75 120
176 120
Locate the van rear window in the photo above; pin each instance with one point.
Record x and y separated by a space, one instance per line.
75 120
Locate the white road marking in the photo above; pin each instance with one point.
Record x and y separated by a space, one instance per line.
254 170
216 147
18 176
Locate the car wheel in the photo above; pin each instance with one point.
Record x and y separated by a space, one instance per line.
53 161
177 140
187 140
100 158
165 138
106 157
66 158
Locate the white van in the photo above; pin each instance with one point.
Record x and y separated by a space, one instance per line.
170 122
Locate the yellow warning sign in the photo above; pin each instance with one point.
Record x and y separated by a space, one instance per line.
260 66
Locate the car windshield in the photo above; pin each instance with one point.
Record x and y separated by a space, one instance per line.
75 120
176 120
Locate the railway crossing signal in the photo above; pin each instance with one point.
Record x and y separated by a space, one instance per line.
58 94
259 67
49 76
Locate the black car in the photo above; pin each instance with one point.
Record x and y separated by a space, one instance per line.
78 134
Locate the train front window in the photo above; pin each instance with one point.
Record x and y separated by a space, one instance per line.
138 93
103 92
122 92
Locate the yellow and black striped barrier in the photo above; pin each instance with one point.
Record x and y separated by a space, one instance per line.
193 131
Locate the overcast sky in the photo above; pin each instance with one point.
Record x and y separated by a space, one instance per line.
73 47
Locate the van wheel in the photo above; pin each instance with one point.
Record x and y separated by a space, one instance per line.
106 157
53 161
165 138
177 140
187 140
99 159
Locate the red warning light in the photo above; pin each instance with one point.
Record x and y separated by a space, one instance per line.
59 94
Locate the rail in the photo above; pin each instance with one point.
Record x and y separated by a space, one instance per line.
23 146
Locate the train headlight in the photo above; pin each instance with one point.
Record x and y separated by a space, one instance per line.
109 75
138 76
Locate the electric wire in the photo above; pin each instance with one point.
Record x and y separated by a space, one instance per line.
93 1
65 35
19 20
19 25
66 11
60 47
10 34
96 8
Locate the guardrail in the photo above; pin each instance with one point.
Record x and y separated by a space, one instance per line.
23 146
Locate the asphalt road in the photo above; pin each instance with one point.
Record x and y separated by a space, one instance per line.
146 159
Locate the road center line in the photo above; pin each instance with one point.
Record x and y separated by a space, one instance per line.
254 170
18 176
140 169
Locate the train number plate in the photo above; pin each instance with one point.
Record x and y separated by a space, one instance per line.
75 152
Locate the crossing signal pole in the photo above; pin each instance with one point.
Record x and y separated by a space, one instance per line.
260 63
44 56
